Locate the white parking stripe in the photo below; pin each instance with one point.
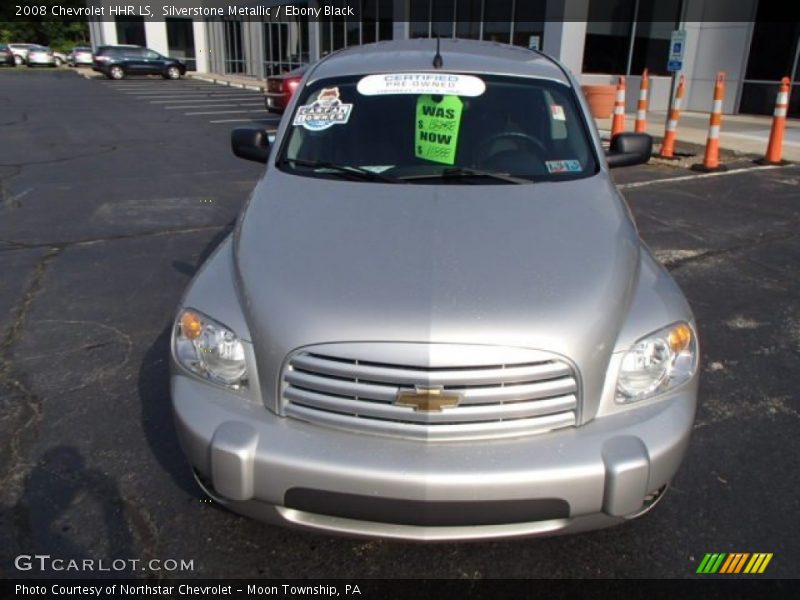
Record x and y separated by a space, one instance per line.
189 94
638 184
200 100
195 98
244 105
223 112
248 121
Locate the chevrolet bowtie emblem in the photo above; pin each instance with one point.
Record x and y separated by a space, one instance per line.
427 399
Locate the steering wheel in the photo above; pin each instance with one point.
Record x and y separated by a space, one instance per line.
517 136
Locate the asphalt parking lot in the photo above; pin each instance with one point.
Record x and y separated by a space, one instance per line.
112 194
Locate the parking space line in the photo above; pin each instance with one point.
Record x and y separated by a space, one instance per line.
638 184
192 94
240 104
223 112
196 99
203 101
248 121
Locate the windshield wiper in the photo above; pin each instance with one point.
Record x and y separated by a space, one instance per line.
465 173
357 172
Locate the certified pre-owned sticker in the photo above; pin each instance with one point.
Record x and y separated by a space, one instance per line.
563 166
450 84
327 110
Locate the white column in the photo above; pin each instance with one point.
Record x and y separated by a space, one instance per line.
108 33
565 33
155 34
200 46
401 28
564 41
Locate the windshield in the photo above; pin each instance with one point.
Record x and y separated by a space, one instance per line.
402 127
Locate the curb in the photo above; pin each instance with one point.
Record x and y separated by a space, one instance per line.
241 86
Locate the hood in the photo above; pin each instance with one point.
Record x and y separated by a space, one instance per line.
549 266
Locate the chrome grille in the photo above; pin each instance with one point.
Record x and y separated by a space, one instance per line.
350 387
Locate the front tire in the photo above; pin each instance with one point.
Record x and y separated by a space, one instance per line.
173 73
18 61
116 72
59 62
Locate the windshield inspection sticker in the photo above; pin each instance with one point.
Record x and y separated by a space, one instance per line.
558 112
437 128
421 83
327 110
563 166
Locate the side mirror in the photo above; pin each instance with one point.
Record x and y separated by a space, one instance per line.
250 143
628 149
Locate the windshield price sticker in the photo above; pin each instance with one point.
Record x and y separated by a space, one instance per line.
450 84
437 128
327 110
563 166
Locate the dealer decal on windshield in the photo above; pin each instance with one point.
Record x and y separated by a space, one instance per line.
438 122
563 166
327 110
451 84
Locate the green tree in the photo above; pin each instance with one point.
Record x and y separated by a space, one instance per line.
57 32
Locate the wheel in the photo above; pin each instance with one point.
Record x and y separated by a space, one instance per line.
116 72
18 60
59 62
173 73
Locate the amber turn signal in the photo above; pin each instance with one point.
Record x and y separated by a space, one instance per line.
191 325
679 338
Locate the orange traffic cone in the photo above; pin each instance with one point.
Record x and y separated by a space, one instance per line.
618 122
711 158
775 145
670 133
640 125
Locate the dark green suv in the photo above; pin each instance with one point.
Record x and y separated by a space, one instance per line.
117 62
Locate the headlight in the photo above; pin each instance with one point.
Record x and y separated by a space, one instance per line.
209 349
657 363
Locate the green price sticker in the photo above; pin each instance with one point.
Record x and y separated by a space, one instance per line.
436 136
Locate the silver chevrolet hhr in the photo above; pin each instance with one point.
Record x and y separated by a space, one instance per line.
435 319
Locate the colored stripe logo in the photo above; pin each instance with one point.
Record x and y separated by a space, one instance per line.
734 563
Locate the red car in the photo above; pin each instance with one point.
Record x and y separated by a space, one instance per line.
280 88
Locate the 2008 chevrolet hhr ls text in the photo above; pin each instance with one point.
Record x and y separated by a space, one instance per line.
435 319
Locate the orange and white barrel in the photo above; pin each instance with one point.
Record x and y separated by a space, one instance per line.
671 131
640 125
775 146
711 157
618 122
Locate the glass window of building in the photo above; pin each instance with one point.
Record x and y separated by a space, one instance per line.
774 54
180 40
497 16
420 18
529 20
130 30
285 45
234 61
623 37
373 23
505 21
608 36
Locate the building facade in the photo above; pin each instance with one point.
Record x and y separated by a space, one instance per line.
599 40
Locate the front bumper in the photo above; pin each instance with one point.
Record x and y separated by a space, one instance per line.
288 472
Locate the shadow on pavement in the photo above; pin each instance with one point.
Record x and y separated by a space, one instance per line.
154 392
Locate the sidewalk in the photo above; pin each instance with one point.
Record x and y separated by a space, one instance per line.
740 134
